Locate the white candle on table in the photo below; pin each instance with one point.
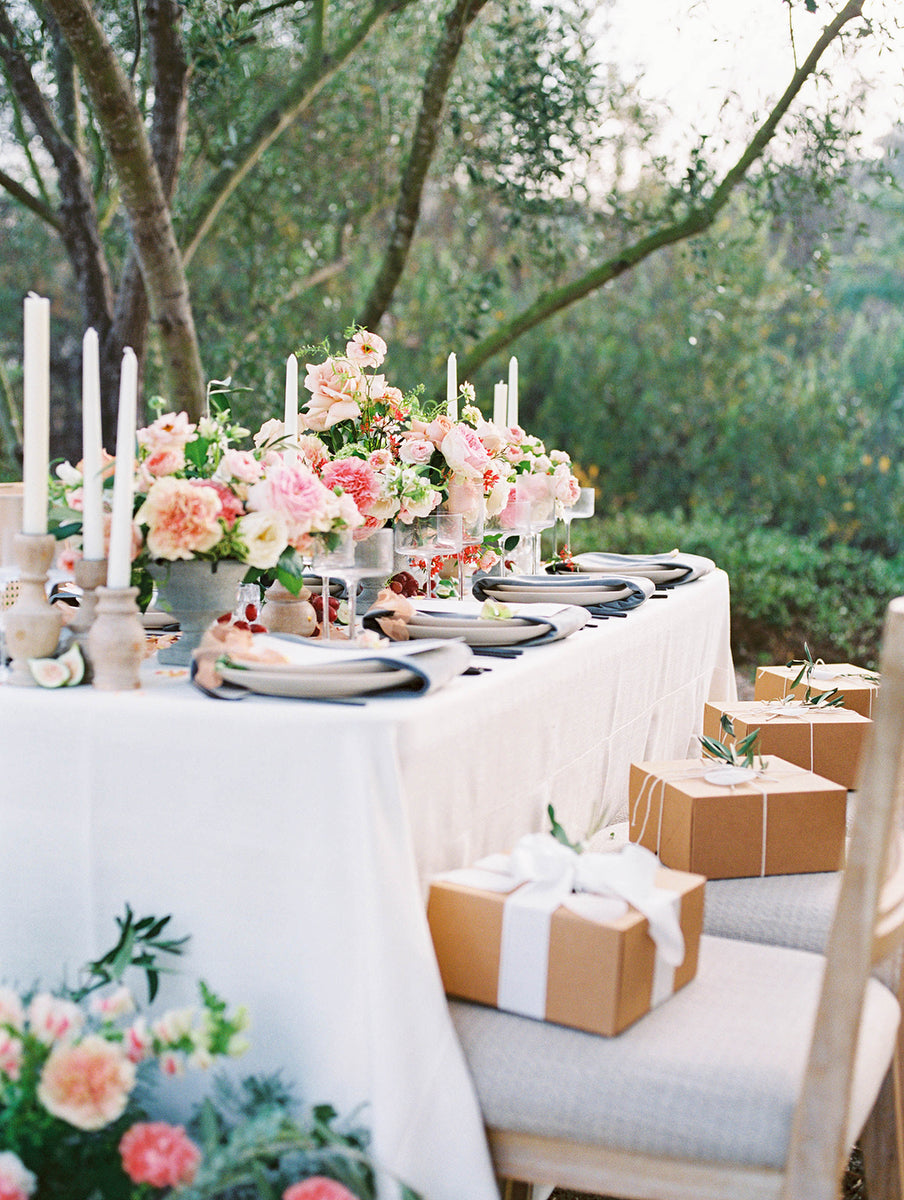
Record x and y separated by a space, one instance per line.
36 413
92 452
119 562
452 387
500 412
513 391
290 420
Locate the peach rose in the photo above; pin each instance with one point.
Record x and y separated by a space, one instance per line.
366 349
87 1084
335 387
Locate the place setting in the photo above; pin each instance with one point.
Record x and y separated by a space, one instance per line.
664 570
599 595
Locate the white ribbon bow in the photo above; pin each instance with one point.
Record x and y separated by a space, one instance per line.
598 887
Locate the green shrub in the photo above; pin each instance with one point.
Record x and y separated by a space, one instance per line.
786 589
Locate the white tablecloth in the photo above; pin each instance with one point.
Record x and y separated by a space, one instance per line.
293 842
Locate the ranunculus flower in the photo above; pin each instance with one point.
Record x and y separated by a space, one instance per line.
335 387
16 1181
159 1154
366 349
318 1187
170 429
182 518
356 477
87 1084
265 537
52 1019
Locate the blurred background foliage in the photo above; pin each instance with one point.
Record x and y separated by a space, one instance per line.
741 394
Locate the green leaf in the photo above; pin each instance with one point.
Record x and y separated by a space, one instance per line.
559 833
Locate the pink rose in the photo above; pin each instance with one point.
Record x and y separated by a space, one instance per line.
356 478
335 387
317 1187
380 460
438 428
165 461
87 1084
240 465
464 452
159 1154
294 491
416 450
16 1181
182 518
366 349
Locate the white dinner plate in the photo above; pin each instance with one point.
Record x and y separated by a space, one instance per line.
542 593
478 633
315 685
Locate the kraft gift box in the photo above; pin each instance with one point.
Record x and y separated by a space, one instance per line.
600 977
856 685
782 821
828 741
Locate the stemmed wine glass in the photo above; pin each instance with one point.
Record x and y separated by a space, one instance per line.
542 516
339 558
434 536
372 558
512 523
472 526
584 506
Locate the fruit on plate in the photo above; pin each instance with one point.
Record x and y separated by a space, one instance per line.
65 671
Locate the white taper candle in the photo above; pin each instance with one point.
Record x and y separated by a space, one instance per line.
452 387
92 452
119 564
500 410
36 414
513 391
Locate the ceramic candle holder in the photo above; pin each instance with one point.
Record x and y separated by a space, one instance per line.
116 640
32 625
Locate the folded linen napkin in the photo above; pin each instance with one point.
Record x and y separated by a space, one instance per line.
600 595
672 568
414 669
463 619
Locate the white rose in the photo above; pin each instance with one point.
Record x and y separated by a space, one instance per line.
265 535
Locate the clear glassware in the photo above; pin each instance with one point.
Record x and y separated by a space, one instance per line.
542 515
336 560
471 507
431 537
510 526
583 507
373 559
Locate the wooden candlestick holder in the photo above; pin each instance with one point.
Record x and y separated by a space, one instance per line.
116 640
32 624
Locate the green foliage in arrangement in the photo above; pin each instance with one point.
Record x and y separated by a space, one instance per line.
786 589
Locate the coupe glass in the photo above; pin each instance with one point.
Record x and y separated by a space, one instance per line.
430 537
336 560
509 526
584 506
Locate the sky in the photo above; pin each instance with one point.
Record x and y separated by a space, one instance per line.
692 53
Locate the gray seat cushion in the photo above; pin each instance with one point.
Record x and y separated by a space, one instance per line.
712 1074
778 910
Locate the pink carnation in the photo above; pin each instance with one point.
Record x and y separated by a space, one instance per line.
87 1084
356 477
159 1154
318 1187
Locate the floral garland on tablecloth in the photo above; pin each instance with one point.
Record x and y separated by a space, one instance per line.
366 455
75 1065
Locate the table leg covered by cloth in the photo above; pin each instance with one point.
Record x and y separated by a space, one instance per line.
293 841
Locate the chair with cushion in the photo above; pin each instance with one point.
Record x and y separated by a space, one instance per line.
755 1080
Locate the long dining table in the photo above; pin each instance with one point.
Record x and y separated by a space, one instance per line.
294 842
